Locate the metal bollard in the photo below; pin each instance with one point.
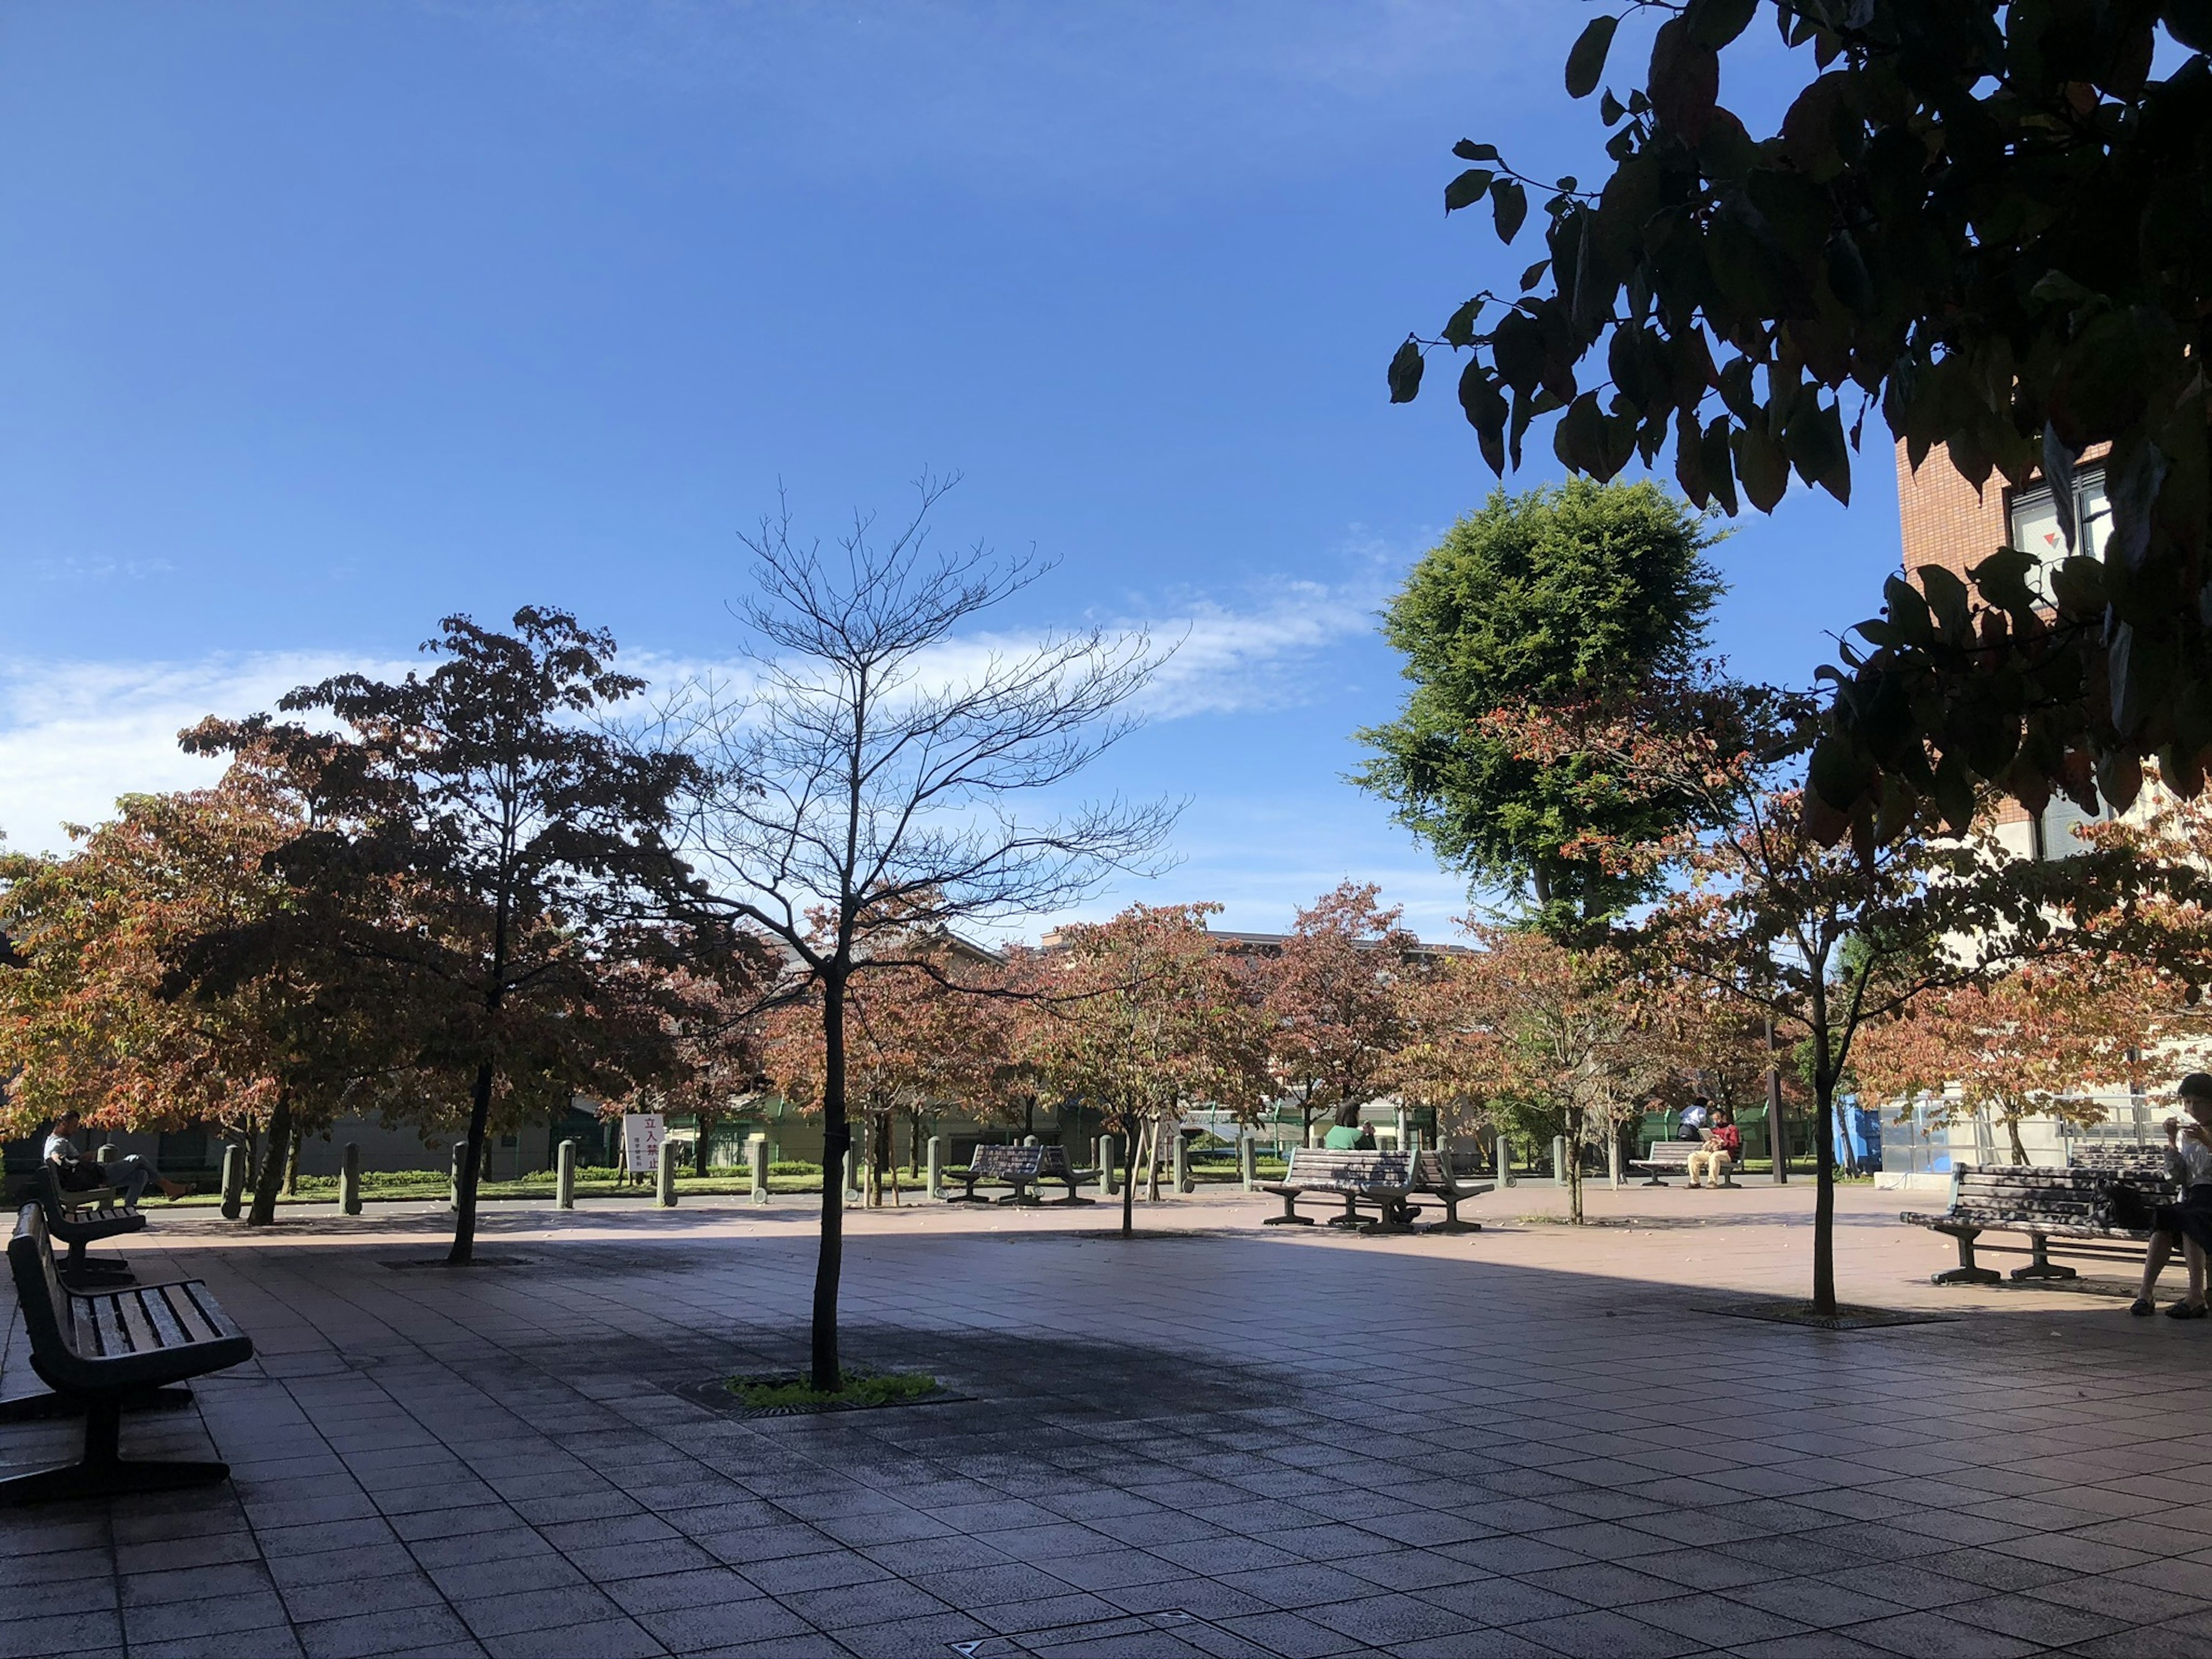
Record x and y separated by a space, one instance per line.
1183 1181
234 1180
1558 1160
564 1175
349 1180
756 1155
853 1193
664 1176
1109 1162
107 1153
453 1189
937 1166
1402 1143
1613 1159
1504 1161
1247 1163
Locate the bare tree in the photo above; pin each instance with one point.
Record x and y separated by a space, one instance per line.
864 786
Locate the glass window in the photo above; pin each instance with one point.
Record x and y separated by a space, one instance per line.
2035 525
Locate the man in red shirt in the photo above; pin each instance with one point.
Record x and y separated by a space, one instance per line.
1723 1150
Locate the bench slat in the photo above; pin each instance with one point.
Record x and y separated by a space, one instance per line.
155 1307
144 1335
197 1313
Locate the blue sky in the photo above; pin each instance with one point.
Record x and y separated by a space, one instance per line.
318 322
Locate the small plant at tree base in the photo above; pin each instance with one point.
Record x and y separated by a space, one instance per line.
854 1388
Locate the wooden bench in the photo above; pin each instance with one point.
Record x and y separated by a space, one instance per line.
80 1218
106 1350
1668 1157
1023 1169
2071 1205
1384 1181
1432 1174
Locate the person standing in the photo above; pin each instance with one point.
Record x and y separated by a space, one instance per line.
2188 1223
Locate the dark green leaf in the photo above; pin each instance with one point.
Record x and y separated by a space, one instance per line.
1468 150
1405 367
1459 328
1718 463
1586 59
1468 189
1579 439
1530 278
1685 80
1610 109
1761 464
1714 23
1509 206
1486 409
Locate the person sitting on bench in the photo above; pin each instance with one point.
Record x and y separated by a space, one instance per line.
1723 1148
1349 1135
81 1172
2188 1159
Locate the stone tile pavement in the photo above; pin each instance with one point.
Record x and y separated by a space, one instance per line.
1220 1441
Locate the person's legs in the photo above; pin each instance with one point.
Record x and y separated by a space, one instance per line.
2193 1253
1700 1160
132 1175
1718 1169
2154 1260
129 1175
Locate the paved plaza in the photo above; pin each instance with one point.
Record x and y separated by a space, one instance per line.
1220 1439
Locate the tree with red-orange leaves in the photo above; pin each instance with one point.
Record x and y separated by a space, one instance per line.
1336 998
171 977
2035 1041
918 1039
1154 1017
1826 940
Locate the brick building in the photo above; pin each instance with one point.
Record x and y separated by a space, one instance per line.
1944 520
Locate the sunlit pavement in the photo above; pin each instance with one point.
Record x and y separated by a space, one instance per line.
1219 1439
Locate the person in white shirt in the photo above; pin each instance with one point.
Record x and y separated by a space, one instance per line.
2189 1223
79 1171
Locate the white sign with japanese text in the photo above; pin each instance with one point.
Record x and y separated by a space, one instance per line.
642 1134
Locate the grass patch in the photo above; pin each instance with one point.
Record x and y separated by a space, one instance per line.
861 1389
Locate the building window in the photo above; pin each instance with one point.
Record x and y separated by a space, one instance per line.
2035 525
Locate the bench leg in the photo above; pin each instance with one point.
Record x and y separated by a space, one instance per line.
103 1472
2039 1264
1966 1273
1289 1216
1393 1215
1351 1216
40 1407
1451 1222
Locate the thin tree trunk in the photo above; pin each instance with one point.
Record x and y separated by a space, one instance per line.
703 1159
1152 1163
464 1213
824 1375
1572 1152
292 1161
270 1175
2012 1132
1128 1139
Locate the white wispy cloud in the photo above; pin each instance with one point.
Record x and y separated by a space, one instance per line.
75 735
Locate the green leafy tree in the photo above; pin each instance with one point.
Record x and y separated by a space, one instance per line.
1582 593
1985 220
